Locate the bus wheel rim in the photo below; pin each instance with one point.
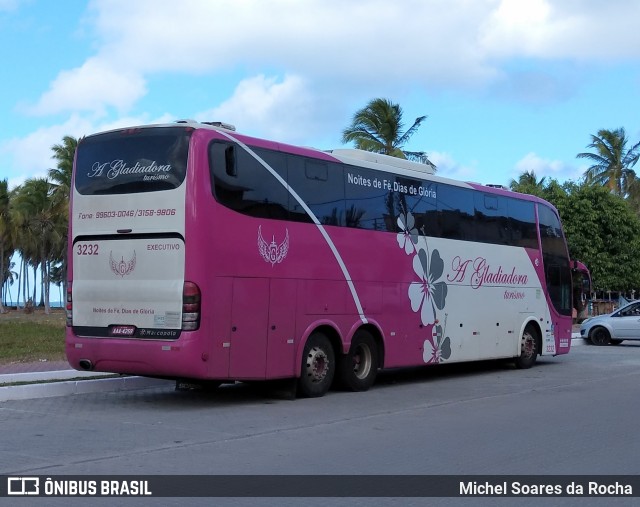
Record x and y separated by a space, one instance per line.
528 345
317 365
361 361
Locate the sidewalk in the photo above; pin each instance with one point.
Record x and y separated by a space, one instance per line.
39 371
45 379
35 366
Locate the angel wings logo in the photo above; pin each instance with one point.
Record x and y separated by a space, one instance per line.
273 252
122 267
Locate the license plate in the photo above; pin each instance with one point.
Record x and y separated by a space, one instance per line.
122 330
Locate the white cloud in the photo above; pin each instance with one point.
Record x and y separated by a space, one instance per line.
9 5
562 29
31 155
449 41
271 108
448 167
144 37
359 41
370 46
92 87
555 169
312 62
130 121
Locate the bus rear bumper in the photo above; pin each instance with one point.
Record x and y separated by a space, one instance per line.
150 358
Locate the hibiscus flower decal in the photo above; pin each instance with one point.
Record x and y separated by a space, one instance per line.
437 348
427 294
408 235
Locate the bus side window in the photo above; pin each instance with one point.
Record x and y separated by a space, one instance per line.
319 186
522 216
492 223
427 210
367 205
456 213
241 182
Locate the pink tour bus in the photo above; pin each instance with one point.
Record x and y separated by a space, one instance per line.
202 255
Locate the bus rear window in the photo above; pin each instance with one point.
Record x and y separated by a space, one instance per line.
132 161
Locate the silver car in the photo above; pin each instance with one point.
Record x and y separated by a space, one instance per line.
613 328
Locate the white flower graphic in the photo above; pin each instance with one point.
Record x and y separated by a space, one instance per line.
437 348
427 294
408 237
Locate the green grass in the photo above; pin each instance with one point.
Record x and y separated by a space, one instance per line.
32 337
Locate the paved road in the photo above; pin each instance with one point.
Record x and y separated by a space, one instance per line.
574 414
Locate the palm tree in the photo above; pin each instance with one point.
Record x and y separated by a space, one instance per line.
9 279
6 243
40 228
61 176
613 161
378 128
23 241
64 154
528 183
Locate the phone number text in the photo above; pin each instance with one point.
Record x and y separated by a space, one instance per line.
128 213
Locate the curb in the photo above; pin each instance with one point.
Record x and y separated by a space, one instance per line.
41 376
577 340
89 385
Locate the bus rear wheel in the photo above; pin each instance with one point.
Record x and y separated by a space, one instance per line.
528 349
318 366
359 367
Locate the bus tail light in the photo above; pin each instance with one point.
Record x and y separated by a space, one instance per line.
69 305
190 307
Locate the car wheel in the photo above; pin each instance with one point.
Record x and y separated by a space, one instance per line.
600 336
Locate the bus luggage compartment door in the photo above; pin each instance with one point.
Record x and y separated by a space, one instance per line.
249 317
262 341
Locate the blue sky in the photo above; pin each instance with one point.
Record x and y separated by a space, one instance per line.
508 85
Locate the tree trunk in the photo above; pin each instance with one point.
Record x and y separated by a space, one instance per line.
35 282
26 289
2 280
19 282
45 281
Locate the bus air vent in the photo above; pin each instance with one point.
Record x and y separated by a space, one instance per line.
222 125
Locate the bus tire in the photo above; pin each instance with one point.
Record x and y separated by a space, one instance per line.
318 366
528 349
358 368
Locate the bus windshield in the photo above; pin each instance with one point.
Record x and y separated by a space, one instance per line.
132 161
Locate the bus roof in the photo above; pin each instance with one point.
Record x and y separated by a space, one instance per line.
378 158
350 156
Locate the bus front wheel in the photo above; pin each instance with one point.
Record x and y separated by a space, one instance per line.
359 367
318 366
528 349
